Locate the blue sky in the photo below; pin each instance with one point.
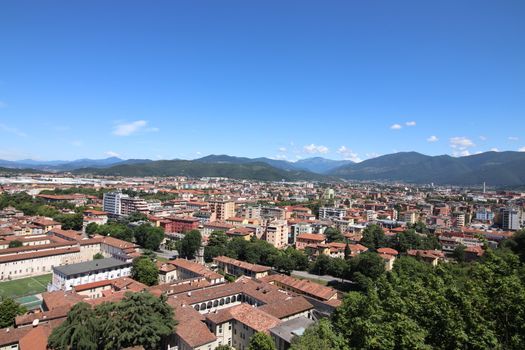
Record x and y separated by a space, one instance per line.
283 79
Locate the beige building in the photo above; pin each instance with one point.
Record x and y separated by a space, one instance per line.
222 209
277 233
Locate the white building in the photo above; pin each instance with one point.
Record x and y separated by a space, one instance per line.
511 219
326 213
68 276
112 202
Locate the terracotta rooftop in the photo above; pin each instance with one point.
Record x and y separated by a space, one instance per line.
242 264
303 286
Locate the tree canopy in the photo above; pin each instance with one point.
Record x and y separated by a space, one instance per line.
189 245
9 309
145 271
261 341
140 319
478 305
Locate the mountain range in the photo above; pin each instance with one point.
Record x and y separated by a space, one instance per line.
495 168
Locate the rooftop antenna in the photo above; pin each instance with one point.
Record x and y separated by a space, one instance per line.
484 188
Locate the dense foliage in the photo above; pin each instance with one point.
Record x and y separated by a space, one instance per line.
478 305
190 244
320 336
145 235
9 309
145 270
140 319
261 341
255 251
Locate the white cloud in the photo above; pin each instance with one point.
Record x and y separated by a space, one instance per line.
313 148
483 138
348 154
433 139
126 129
513 138
280 157
412 123
282 149
461 143
462 153
395 127
460 146
494 149
3 104
198 153
372 155
521 149
111 154
11 130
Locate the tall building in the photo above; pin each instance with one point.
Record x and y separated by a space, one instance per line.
112 202
222 209
510 219
129 206
117 203
277 233
458 219
327 213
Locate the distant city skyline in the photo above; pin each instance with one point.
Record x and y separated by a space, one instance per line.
340 80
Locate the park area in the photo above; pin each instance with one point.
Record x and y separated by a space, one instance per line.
24 286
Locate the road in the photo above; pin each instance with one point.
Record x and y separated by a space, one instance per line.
325 278
167 254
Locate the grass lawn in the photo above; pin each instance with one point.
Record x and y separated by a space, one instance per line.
25 286
161 259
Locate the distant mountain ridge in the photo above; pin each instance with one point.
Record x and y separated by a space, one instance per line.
500 169
494 168
64 165
317 165
195 168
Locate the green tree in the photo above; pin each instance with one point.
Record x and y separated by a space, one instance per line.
15 244
189 245
338 267
367 264
9 309
321 265
517 244
98 256
217 246
348 252
145 271
319 336
373 237
261 341
333 235
142 319
91 228
459 253
78 331
70 221
299 258
283 263
223 347
148 236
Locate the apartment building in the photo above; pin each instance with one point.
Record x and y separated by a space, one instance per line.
222 209
328 213
277 233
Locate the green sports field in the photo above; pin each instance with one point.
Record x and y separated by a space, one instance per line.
24 286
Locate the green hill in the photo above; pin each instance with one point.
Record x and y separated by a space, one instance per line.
251 171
